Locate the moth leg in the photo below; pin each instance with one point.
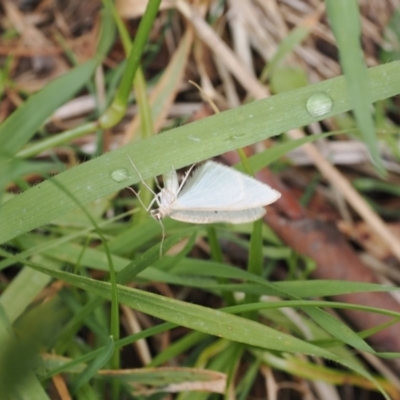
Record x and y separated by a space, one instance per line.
155 198
138 197
162 237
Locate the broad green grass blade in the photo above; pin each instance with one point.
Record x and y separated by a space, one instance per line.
305 304
205 320
193 316
180 147
344 17
184 270
326 321
316 288
28 284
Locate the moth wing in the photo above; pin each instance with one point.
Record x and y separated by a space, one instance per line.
171 182
207 217
214 186
257 193
206 187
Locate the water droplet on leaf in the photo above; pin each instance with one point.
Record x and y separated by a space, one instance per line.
319 104
120 175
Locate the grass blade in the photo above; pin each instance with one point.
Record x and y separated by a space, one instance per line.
197 141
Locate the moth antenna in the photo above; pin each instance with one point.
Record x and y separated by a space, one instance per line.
140 176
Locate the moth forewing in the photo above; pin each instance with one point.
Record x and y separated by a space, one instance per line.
210 187
217 187
258 193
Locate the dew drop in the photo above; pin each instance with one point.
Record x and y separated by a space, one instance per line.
237 136
120 175
234 137
319 104
194 138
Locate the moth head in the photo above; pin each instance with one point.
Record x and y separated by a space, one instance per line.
157 214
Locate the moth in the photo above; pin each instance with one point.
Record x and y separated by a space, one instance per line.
213 193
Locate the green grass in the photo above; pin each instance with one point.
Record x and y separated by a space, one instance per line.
57 229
